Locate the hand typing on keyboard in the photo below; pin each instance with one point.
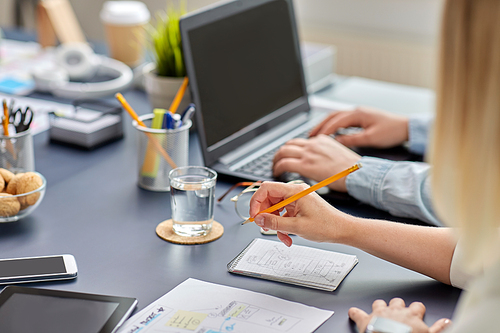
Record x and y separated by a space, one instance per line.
316 158
262 166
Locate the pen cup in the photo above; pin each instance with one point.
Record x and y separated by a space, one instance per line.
192 200
16 152
153 168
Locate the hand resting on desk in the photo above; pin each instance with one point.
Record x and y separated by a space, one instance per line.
397 310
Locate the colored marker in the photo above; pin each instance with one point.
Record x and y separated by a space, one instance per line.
188 113
168 121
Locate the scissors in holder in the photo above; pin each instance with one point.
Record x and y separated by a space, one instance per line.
22 119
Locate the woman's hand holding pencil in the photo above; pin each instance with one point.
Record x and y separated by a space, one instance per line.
307 214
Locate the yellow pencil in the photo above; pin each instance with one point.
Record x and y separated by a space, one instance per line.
152 139
311 189
178 97
5 121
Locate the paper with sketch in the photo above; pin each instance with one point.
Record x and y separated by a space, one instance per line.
203 307
302 265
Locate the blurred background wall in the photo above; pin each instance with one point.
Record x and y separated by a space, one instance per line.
390 40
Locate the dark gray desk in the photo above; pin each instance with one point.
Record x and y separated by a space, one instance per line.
94 210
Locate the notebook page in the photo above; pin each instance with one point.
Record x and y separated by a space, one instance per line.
297 264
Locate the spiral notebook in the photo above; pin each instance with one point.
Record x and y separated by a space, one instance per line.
300 265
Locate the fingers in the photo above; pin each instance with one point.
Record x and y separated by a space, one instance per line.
301 142
397 310
285 225
288 150
287 240
336 120
418 309
360 139
320 126
345 120
287 158
269 194
439 325
287 165
378 304
360 317
292 148
397 302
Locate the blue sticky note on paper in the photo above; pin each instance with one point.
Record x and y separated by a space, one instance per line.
14 86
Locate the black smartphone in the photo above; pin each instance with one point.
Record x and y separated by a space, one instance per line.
32 269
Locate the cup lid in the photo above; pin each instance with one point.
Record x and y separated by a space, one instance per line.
124 12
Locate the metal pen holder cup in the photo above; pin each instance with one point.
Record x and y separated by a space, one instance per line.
16 152
153 168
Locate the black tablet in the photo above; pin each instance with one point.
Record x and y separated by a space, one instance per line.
41 310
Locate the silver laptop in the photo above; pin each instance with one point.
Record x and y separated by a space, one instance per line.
244 63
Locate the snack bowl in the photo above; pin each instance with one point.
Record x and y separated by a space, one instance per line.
14 207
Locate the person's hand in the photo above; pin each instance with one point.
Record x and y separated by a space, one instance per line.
316 158
380 129
396 310
309 217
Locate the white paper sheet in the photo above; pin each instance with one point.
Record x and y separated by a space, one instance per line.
203 307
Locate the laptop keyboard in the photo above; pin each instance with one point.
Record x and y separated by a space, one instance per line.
262 166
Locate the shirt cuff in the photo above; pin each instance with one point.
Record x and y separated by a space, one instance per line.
459 277
365 183
400 188
418 132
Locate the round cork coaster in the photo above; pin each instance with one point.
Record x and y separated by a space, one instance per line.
165 231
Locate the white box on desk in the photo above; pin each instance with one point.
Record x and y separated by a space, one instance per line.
319 65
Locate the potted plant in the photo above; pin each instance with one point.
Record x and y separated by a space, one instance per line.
164 76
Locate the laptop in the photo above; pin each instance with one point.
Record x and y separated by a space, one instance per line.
244 63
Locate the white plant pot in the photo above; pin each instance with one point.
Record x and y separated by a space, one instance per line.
161 91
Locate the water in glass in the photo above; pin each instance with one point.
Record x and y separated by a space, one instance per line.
192 205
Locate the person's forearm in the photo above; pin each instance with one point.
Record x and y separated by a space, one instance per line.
426 250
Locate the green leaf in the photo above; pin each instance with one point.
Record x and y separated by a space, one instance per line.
165 42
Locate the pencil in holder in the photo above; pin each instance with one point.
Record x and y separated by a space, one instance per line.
16 152
153 169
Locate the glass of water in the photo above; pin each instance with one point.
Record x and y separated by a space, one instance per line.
192 195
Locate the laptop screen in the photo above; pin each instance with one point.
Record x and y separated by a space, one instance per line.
244 63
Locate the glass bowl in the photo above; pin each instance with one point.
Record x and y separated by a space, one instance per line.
15 207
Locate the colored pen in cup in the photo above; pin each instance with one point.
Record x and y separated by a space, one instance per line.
188 113
176 119
168 120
